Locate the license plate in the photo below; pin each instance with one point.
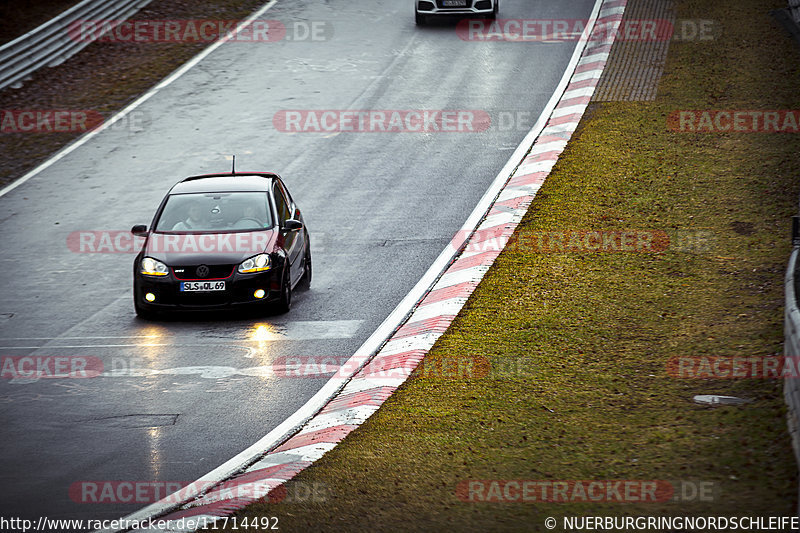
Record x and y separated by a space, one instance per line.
454 3
202 286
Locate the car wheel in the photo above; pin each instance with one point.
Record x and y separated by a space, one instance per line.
419 18
307 269
493 14
285 302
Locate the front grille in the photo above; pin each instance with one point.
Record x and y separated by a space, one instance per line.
441 4
203 298
214 272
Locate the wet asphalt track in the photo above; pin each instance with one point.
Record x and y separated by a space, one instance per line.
182 396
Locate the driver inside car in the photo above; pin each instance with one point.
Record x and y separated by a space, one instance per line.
193 221
250 218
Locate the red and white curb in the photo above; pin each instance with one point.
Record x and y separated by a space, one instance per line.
354 400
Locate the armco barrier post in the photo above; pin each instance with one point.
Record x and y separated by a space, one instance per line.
791 332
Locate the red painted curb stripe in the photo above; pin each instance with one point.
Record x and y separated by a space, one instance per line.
329 435
438 324
542 156
484 258
535 178
578 100
374 396
589 66
566 119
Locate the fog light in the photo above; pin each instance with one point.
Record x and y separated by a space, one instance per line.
150 297
259 293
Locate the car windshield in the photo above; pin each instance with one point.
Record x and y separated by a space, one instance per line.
215 212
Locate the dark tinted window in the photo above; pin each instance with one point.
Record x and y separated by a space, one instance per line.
293 211
215 212
280 202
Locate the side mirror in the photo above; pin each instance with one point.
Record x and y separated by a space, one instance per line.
292 225
140 230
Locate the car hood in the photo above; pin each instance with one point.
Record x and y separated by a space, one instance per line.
209 248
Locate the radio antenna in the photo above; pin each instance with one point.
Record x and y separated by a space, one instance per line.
233 165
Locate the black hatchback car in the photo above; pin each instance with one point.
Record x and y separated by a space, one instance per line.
220 241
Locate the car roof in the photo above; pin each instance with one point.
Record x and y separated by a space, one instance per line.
241 181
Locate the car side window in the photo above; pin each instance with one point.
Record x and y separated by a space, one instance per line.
293 213
286 193
281 204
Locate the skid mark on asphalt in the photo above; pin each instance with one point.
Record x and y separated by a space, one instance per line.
134 421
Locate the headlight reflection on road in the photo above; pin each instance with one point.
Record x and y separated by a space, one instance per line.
154 436
262 336
263 333
152 335
151 342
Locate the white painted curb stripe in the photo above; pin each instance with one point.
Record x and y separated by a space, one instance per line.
565 111
306 453
409 344
588 75
365 384
461 276
578 93
353 416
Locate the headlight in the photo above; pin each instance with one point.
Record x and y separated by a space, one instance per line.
257 263
153 267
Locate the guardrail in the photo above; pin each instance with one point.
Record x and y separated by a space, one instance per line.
50 44
794 10
791 346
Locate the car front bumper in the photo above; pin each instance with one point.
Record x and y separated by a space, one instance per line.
473 7
239 292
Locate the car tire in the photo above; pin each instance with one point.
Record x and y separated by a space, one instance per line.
419 18
307 269
493 14
285 301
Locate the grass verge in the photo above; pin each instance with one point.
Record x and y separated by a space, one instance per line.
585 338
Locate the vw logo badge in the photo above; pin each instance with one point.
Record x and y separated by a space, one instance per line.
202 271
